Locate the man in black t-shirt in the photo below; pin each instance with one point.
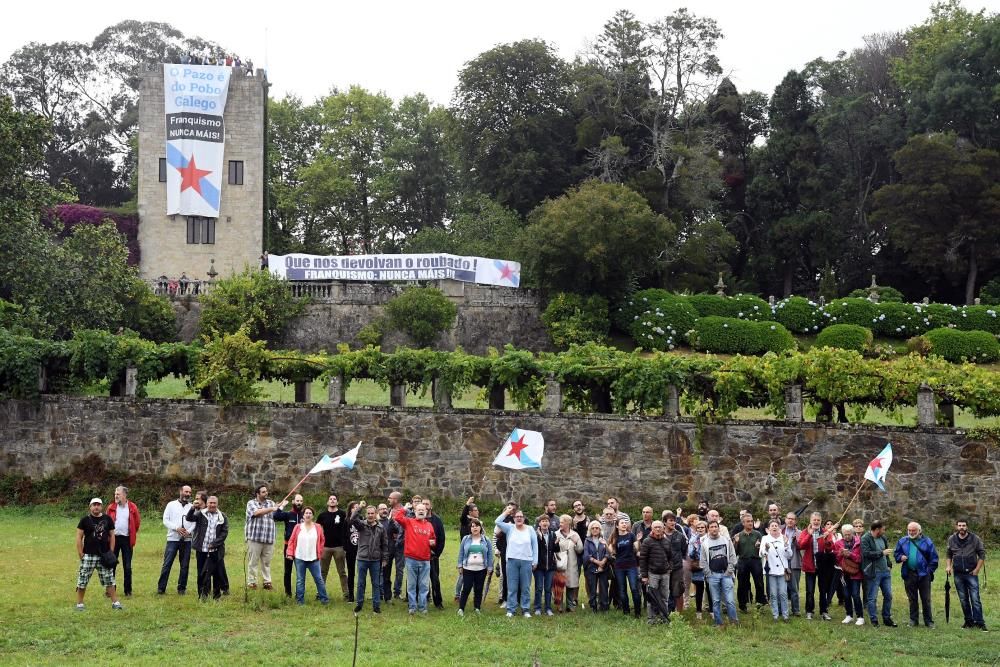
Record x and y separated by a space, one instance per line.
334 523
95 535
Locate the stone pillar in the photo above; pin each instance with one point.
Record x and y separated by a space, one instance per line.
552 405
671 403
336 394
926 410
397 395
497 397
303 390
43 379
770 301
947 414
793 403
131 381
442 397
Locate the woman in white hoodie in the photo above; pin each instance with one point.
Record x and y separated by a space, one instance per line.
776 552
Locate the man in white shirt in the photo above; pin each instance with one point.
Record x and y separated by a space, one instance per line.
179 531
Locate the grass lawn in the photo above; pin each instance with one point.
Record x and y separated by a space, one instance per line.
40 625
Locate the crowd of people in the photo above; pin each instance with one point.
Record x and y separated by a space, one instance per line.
222 59
657 564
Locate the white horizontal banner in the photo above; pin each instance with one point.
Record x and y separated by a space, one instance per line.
387 268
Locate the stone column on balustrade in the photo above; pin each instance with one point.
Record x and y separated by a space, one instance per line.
497 397
793 403
553 396
672 403
131 381
397 395
926 409
336 393
441 395
303 391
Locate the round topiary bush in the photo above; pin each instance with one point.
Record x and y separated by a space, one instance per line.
629 310
861 312
958 346
728 335
884 294
422 313
898 320
846 337
938 315
750 307
664 324
798 314
979 318
712 304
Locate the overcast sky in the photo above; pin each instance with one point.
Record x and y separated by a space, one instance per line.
402 48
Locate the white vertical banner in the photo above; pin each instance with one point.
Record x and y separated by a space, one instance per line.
194 102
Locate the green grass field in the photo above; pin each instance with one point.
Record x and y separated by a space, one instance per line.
41 627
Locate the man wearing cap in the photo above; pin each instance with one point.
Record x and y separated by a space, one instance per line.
95 535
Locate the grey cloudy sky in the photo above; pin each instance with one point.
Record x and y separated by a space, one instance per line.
402 48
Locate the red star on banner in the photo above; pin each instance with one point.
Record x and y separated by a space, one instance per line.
516 446
191 176
506 272
876 464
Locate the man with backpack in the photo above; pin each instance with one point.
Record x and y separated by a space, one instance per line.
966 557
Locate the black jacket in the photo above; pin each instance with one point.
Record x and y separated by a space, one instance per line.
201 526
678 547
291 519
547 556
655 556
439 535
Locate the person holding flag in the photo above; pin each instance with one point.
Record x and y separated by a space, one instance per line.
420 538
522 558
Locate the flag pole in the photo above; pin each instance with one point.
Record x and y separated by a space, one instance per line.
295 488
840 521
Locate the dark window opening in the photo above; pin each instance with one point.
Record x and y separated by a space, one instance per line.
200 230
163 170
236 172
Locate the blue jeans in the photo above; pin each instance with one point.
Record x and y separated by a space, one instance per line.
779 595
316 571
182 547
372 568
543 584
967 587
793 590
631 575
418 583
881 581
721 586
852 597
519 586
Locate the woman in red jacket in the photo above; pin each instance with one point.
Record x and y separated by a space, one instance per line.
305 546
848 552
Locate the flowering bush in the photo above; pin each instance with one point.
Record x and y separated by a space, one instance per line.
898 320
664 324
799 315
752 308
960 346
727 335
861 312
629 311
65 217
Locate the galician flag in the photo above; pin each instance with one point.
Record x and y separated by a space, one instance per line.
522 449
879 466
345 460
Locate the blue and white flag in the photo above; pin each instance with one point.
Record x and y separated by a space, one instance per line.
345 460
522 449
879 466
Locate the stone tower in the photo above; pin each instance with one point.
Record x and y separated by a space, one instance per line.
172 245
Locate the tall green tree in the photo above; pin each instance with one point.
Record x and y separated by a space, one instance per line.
943 213
598 238
517 135
294 134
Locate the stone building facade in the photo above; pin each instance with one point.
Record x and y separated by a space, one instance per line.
936 472
239 230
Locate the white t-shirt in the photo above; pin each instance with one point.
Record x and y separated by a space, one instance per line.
121 520
305 545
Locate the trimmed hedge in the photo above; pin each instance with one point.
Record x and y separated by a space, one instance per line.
861 312
665 324
637 304
845 337
898 320
571 319
752 307
728 335
959 346
890 294
711 304
799 314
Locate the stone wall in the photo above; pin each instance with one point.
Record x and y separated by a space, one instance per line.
935 471
487 317
239 229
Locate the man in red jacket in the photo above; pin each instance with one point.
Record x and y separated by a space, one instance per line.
420 539
816 544
125 515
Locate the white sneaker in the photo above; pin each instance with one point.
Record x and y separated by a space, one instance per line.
849 619
461 612
698 615
809 617
79 606
477 612
827 617
510 615
860 621
548 612
527 614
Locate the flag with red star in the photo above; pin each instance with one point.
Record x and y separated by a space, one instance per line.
879 466
194 103
522 449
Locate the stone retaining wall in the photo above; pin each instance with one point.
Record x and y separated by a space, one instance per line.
936 471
